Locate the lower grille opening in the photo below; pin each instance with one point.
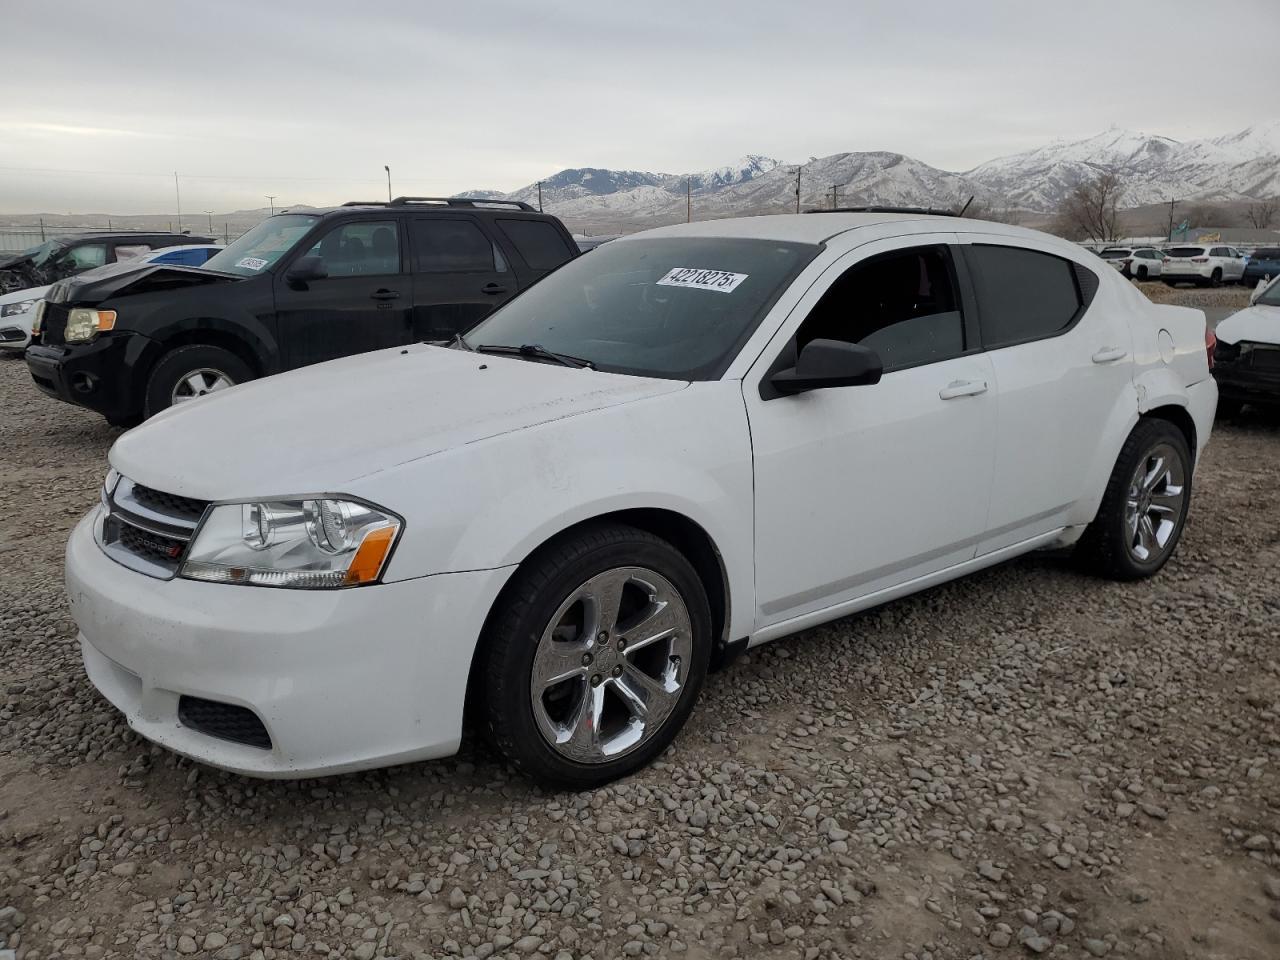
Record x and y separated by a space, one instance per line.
224 721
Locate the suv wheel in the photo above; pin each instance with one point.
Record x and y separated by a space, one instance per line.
1144 507
185 373
1215 279
1142 273
594 656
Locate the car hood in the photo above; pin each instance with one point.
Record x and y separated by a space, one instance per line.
1259 323
128 278
318 429
10 260
17 296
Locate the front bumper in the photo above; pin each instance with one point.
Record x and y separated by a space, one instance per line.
15 332
1247 384
341 680
104 374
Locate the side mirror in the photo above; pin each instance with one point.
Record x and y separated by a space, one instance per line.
305 270
829 363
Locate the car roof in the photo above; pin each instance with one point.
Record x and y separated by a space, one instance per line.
821 227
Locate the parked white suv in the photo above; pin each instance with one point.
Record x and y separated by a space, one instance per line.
691 441
1140 263
1209 265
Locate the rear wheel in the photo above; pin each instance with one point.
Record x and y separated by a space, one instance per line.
1144 507
1142 273
595 655
1215 279
186 373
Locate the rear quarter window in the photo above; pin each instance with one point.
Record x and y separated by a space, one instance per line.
1023 295
542 246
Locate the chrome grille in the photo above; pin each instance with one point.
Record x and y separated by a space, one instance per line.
148 530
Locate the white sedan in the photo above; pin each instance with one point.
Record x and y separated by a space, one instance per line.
694 440
18 308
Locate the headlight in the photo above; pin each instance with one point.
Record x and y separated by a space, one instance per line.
82 324
13 309
307 544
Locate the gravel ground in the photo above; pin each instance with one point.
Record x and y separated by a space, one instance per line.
1024 762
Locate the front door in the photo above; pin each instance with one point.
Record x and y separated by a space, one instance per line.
361 304
859 489
460 276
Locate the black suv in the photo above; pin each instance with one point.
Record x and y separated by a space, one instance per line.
67 256
297 289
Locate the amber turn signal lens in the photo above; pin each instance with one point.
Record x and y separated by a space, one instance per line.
369 558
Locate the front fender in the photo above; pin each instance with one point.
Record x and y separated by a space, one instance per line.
492 503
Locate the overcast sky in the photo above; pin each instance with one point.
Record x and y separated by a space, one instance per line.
101 101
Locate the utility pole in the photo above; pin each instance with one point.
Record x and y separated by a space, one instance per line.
835 196
388 169
1171 203
688 200
178 195
539 196
271 199
798 169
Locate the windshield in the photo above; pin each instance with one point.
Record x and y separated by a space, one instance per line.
1114 254
1186 251
39 255
1270 296
679 308
262 246
1267 254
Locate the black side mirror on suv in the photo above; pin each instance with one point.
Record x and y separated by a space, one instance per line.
829 363
305 270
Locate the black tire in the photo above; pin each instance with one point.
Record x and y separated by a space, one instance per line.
1229 409
1215 279
1104 549
124 423
181 362
1142 273
1171 283
524 611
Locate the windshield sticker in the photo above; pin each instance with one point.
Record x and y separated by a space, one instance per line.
251 263
719 280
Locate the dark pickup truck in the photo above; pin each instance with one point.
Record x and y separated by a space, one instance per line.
299 288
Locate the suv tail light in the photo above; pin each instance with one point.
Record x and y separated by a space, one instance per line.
1199 259
1210 343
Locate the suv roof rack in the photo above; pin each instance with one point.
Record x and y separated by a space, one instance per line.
443 201
928 211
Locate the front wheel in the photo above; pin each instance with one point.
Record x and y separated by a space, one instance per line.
594 656
1142 273
186 373
1215 279
1144 507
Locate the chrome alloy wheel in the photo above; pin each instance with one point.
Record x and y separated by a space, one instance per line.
611 665
1154 505
199 382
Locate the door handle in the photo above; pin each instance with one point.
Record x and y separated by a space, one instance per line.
962 388
385 294
493 289
1110 354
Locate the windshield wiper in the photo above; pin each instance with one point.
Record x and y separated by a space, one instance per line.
536 351
460 343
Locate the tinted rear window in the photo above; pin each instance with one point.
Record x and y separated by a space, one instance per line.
1186 251
1114 254
1022 294
540 244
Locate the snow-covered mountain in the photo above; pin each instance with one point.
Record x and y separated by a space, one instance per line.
1154 168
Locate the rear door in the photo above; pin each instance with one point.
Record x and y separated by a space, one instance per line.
459 275
362 304
1060 369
